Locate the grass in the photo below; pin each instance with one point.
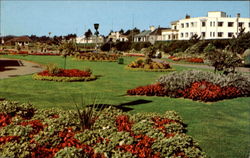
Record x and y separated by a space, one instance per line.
222 128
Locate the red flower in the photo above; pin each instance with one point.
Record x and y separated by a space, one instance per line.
4 120
149 90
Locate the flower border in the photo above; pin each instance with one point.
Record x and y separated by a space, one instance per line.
63 79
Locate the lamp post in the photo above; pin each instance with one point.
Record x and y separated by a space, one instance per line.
96 26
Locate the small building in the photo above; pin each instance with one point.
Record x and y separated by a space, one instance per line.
19 41
144 35
92 39
156 35
116 36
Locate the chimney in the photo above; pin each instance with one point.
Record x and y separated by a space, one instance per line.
238 15
152 28
187 16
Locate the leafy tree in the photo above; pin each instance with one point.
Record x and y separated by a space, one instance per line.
241 43
121 31
67 48
223 60
88 34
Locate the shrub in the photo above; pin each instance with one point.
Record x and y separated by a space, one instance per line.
52 69
63 79
120 60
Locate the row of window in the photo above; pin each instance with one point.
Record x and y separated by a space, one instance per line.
203 34
212 23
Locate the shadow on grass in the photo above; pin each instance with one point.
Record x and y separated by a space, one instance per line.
121 106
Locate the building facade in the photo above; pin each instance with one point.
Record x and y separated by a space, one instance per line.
217 25
116 36
91 39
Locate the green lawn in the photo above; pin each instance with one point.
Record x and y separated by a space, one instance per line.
222 128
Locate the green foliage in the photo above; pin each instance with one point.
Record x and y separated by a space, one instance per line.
209 48
63 79
139 45
246 57
225 61
120 60
52 68
123 46
241 43
70 152
13 108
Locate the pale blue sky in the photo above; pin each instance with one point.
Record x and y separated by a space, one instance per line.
64 17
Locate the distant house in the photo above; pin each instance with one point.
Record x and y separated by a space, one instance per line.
92 39
116 36
144 35
156 35
21 41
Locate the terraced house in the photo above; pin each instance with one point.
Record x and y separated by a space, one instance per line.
217 25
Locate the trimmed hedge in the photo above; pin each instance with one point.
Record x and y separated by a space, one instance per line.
56 133
63 79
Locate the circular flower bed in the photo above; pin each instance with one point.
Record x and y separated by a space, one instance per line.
38 133
197 85
65 75
142 64
97 57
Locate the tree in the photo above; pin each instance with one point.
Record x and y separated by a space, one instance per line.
223 60
88 34
121 31
241 43
67 48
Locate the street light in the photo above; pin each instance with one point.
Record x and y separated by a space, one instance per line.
96 26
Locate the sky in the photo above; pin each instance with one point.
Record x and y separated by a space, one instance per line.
65 17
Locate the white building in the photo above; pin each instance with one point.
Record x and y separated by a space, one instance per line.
217 25
116 36
92 39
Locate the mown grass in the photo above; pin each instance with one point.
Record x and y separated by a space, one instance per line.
221 128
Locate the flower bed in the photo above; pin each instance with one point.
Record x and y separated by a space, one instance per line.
142 65
197 85
134 55
190 59
65 75
13 52
113 134
97 57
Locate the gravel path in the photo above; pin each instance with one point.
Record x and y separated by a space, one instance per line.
15 67
240 69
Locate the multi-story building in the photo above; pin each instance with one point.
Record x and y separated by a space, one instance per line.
217 25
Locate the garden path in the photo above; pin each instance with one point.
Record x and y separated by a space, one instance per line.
15 67
239 69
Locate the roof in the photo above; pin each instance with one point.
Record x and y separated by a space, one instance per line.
20 39
158 31
144 33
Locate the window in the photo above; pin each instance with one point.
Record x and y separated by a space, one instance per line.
230 34
169 37
192 24
230 24
191 34
186 34
203 24
181 34
211 23
175 27
182 25
220 24
187 24
240 24
213 34
203 34
220 34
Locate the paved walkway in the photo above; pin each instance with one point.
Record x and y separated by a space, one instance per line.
16 67
240 69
